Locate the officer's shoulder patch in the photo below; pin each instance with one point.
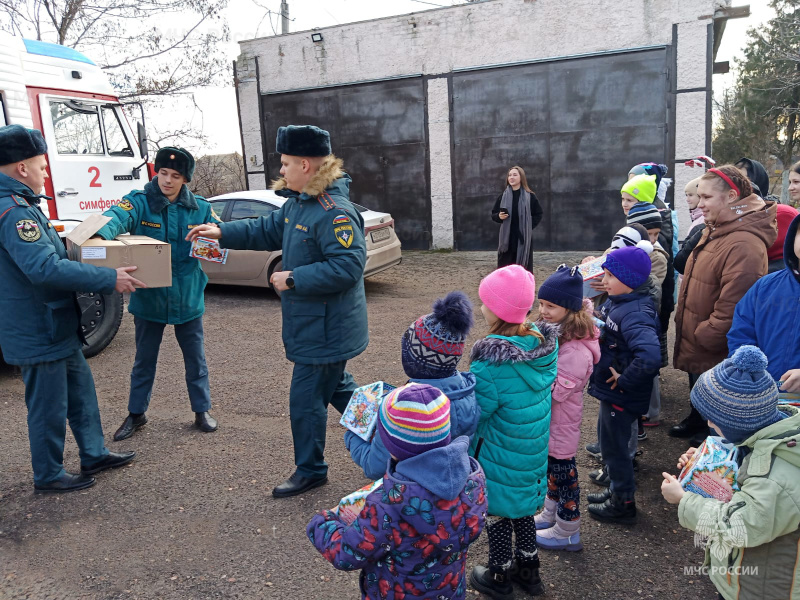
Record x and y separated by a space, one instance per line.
341 219
28 230
125 204
344 234
326 201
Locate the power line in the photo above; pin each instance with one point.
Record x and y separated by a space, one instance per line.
430 3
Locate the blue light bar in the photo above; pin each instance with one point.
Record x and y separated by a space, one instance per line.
55 50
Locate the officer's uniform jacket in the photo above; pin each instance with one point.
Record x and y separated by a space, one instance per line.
149 212
322 238
41 318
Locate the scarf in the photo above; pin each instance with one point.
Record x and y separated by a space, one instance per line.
523 248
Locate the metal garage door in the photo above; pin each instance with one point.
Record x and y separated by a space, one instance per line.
576 126
378 129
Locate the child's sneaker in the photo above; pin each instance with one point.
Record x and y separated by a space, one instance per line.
614 510
547 517
601 477
642 432
495 583
594 450
526 575
564 535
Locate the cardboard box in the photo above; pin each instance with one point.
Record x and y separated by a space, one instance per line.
152 257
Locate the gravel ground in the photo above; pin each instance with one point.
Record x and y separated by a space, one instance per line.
193 516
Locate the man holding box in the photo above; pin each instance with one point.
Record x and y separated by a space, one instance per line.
324 307
41 325
166 210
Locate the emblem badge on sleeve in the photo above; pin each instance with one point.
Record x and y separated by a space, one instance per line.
28 230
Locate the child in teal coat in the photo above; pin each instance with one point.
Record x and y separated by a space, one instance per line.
514 367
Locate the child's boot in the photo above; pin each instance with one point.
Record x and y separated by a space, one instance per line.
526 575
494 582
564 535
615 510
598 497
547 517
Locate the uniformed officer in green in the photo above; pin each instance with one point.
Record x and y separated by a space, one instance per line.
41 320
324 307
166 210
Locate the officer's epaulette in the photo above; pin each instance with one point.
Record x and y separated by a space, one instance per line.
326 201
18 202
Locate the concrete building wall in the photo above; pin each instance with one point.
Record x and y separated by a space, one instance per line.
438 42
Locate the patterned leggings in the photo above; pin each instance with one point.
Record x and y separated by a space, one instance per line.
499 530
562 486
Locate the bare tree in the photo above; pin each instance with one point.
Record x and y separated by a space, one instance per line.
218 174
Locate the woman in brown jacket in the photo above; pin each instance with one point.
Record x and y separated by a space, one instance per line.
729 258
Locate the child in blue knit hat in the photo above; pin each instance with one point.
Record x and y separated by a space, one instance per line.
431 350
753 540
630 357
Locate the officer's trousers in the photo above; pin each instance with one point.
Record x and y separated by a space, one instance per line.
55 392
148 342
313 388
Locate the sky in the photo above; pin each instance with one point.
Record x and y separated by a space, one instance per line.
218 115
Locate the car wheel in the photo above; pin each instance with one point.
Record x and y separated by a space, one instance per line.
101 316
277 267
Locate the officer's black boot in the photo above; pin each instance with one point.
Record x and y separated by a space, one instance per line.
68 482
525 573
131 423
691 425
205 422
297 484
615 510
494 582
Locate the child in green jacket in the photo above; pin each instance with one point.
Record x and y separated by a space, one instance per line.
514 367
752 548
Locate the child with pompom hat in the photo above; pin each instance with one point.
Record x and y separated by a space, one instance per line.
431 350
753 540
515 367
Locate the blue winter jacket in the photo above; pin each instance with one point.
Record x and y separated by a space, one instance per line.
38 304
372 456
411 538
768 316
630 345
322 238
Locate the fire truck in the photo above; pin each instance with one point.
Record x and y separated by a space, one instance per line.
94 157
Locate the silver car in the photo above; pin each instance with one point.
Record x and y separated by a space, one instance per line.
251 267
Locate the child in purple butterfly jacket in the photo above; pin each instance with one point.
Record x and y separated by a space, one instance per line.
412 536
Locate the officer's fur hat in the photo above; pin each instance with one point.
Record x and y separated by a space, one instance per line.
18 143
303 140
177 159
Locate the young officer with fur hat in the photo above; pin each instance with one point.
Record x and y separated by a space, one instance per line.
41 325
431 349
321 235
753 540
166 210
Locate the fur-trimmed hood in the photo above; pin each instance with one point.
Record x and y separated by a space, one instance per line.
329 171
498 349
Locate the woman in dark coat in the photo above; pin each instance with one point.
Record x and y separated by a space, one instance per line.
518 211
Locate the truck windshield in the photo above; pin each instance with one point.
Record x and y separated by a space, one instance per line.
77 128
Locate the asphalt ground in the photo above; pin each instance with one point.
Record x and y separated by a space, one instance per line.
193 516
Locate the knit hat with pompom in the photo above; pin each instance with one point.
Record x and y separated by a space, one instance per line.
434 343
738 395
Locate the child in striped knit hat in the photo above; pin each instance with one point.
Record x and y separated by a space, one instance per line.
412 536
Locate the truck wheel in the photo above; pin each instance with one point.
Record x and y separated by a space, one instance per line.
277 267
101 316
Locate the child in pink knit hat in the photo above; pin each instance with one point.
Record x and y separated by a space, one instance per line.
514 367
